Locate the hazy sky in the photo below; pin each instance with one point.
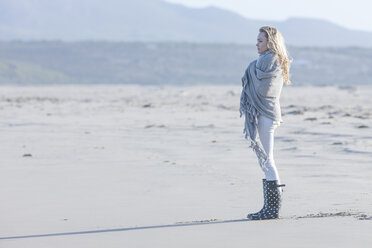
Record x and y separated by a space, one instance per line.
353 14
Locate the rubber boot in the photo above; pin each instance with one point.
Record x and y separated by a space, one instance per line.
272 201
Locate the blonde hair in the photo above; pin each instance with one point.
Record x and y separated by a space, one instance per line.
276 45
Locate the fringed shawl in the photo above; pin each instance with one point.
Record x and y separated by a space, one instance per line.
262 84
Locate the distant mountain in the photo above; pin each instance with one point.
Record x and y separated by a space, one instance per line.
156 20
55 62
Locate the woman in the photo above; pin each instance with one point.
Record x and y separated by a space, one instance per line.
262 84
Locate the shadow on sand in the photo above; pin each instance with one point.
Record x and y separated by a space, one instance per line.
179 224
357 215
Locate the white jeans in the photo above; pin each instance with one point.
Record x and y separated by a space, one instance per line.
266 128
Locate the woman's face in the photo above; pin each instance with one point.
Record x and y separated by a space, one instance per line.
261 43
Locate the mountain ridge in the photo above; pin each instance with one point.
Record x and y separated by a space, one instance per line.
156 20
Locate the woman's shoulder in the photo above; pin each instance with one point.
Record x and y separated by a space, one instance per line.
268 56
267 61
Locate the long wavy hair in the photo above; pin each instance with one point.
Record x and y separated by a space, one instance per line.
276 45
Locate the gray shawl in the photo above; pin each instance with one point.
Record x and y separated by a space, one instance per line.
262 84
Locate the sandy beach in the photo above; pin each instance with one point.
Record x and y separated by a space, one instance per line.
94 158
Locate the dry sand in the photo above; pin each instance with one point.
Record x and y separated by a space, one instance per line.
83 158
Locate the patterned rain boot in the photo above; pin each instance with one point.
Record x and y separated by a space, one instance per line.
272 201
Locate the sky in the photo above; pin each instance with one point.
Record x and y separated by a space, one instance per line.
352 14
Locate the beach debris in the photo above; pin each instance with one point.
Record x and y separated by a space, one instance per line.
364 217
348 150
286 139
291 106
323 107
204 126
357 215
323 215
153 125
363 117
148 105
27 155
363 126
311 119
293 148
221 106
296 112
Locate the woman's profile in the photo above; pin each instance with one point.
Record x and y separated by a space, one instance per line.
259 103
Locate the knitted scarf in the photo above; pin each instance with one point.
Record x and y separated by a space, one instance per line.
262 84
